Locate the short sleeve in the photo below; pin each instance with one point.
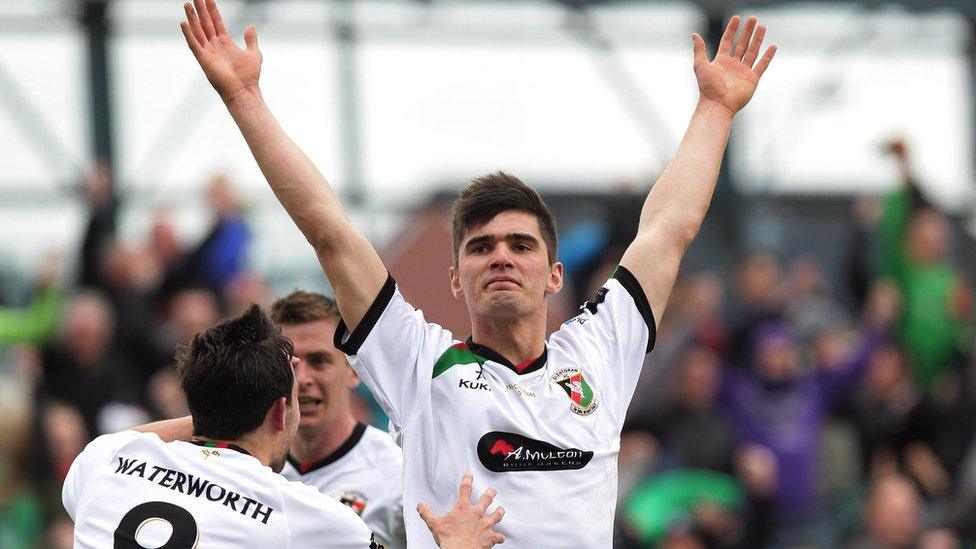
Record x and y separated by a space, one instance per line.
97 453
611 336
393 349
314 517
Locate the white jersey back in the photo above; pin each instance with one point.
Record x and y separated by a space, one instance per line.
365 473
130 490
545 432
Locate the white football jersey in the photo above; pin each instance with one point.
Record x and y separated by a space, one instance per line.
131 490
545 433
365 473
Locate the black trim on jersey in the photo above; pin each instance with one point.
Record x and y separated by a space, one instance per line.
494 356
339 453
226 445
365 326
633 287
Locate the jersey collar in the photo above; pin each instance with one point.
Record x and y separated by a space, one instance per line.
339 453
220 444
524 367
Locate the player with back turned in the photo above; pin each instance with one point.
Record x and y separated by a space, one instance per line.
210 480
537 418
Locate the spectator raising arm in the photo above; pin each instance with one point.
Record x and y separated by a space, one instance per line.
352 266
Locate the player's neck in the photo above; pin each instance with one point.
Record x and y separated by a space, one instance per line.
313 445
517 340
250 445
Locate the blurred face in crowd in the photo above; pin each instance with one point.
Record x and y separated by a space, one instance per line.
777 359
894 512
323 375
503 268
928 237
88 327
698 379
887 369
192 312
758 280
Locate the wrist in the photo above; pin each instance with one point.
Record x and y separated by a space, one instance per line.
711 108
243 98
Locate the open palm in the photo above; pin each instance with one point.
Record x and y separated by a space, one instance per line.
229 68
730 79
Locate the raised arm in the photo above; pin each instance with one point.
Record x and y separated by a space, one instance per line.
352 266
676 205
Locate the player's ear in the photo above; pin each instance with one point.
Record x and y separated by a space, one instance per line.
555 282
353 378
278 414
455 282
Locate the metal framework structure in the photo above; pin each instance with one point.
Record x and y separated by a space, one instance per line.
94 18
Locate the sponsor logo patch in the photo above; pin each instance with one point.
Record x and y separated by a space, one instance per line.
355 500
508 452
582 400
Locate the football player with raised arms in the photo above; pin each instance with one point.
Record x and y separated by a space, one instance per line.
210 480
537 418
356 464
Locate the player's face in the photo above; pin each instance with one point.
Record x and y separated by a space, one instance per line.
323 375
503 268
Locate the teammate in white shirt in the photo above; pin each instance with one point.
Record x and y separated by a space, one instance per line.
356 464
149 487
136 489
539 421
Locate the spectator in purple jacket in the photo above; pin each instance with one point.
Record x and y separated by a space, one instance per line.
782 404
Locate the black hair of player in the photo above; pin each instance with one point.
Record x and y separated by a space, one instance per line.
233 373
487 196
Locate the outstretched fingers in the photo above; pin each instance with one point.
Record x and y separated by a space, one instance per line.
204 15
698 45
464 491
753 52
496 516
190 39
743 42
725 45
764 62
218 21
485 500
194 23
251 38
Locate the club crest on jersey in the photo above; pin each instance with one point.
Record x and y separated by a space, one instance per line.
582 401
355 500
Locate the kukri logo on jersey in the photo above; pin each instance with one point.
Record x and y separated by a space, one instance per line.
507 452
582 401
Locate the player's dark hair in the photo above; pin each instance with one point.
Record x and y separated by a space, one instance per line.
487 196
233 373
300 306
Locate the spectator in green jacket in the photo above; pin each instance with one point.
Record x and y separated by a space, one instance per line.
914 246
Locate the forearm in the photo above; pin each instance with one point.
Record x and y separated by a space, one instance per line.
683 193
169 429
296 182
352 266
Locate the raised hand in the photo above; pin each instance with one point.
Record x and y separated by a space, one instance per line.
465 526
730 79
229 68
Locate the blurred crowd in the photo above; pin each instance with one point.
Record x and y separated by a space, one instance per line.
778 409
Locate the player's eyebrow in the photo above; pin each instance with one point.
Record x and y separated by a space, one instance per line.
511 237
